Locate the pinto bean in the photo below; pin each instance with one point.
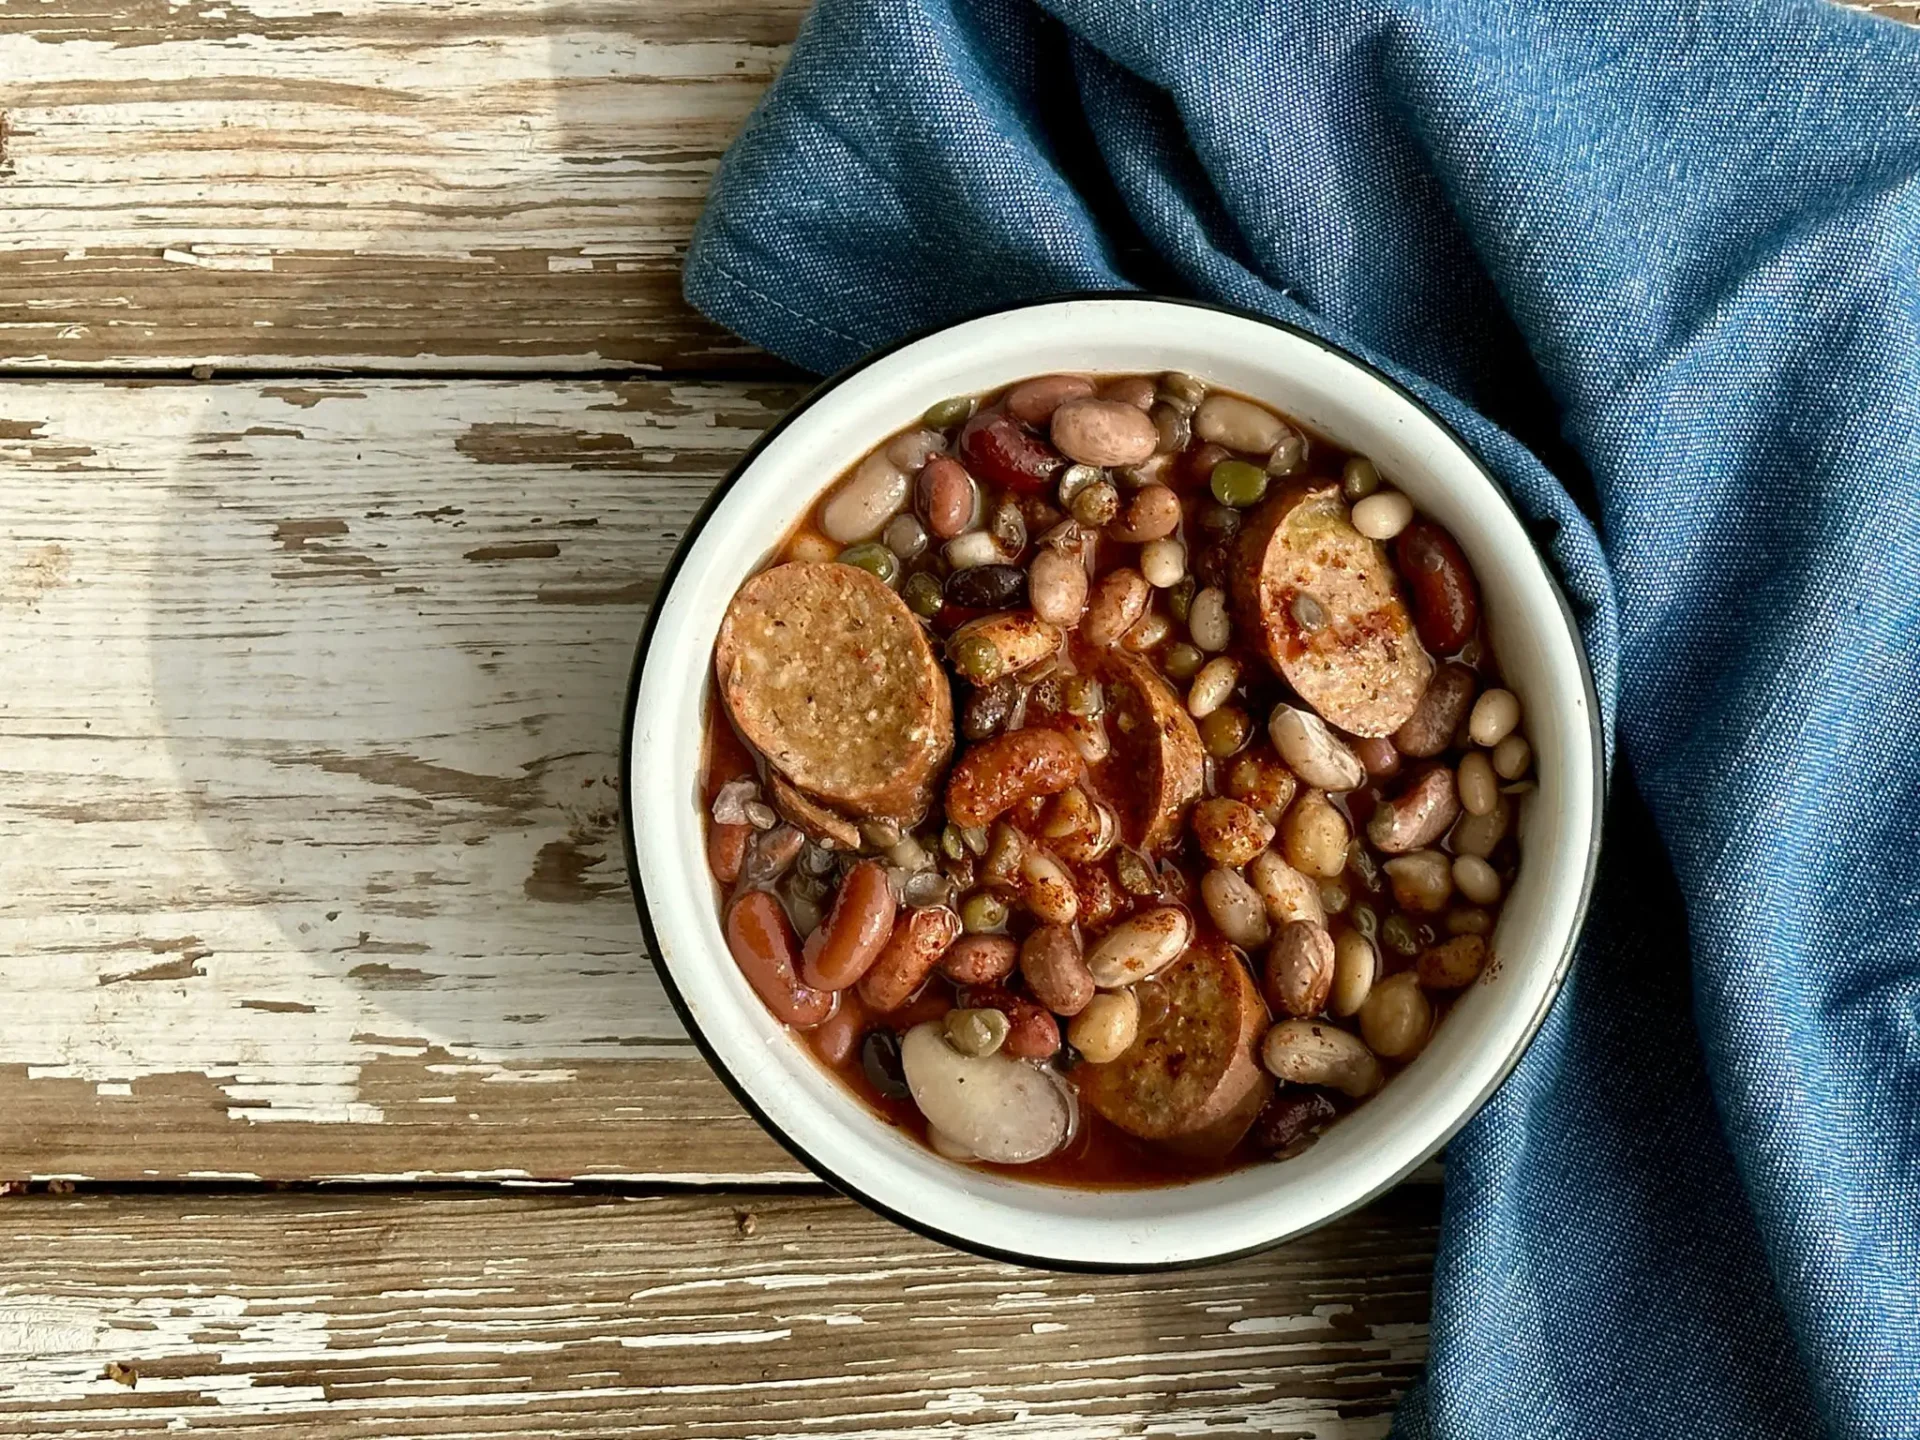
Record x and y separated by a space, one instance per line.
1140 946
1446 604
1032 402
1313 751
763 944
1001 451
849 941
945 496
920 937
1057 585
1314 1052
1118 602
1103 432
1150 514
1235 908
995 775
1055 970
979 959
1429 730
1230 832
1453 964
1418 817
726 848
1299 971
1287 894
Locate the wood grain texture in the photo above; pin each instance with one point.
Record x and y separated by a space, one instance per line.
694 1318
370 185
309 862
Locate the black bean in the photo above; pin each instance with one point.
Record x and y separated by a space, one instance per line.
1219 520
988 587
1289 1116
1213 566
880 1059
987 709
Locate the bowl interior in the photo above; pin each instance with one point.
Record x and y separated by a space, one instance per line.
1533 637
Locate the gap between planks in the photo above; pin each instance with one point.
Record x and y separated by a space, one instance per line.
694 1317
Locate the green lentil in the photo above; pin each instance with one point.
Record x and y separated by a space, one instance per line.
983 913
948 413
976 659
1236 483
1358 478
977 1032
1400 935
1180 597
874 558
1182 661
1225 731
922 594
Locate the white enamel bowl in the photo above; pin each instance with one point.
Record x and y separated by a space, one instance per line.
773 1072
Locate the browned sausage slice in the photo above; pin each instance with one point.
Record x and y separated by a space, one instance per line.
1158 766
1323 604
1193 1064
827 826
826 672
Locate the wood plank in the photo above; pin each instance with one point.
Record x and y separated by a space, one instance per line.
372 185
309 862
321 1316
389 185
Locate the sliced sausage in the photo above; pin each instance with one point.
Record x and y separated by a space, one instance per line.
1193 1062
1158 766
1322 603
827 826
826 672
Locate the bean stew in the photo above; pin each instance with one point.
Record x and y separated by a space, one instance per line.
1112 780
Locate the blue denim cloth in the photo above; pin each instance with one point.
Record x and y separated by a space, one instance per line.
1658 263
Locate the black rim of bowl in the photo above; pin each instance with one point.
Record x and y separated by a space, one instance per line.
719 1065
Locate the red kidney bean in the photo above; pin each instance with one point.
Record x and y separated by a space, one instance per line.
1196 469
1055 969
726 848
1000 451
931 1003
763 945
1289 1116
1135 390
849 940
945 496
1034 1033
836 1038
1032 402
1377 753
979 959
1446 607
920 937
998 774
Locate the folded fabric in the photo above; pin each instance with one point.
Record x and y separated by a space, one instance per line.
1660 264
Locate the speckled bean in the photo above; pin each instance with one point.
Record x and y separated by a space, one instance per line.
1032 402
1055 970
1057 587
1317 1052
1152 513
946 497
1103 432
1117 603
1235 908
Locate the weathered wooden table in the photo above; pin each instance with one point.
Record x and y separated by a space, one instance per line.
349 413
